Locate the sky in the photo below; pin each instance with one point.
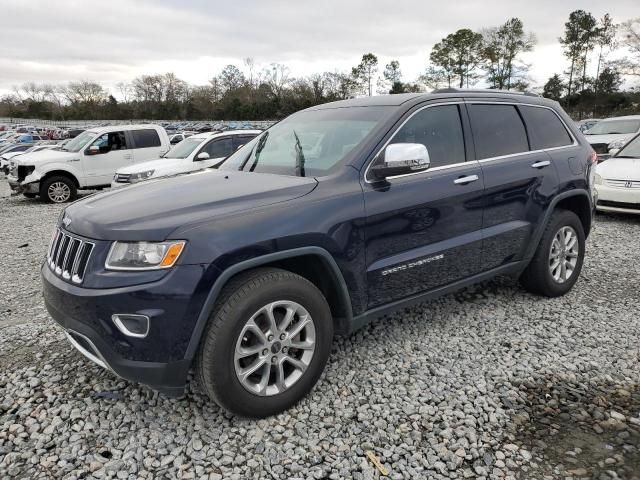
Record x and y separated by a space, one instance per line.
117 40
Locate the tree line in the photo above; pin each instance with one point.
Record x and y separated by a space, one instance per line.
491 57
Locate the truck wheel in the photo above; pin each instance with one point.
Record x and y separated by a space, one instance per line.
266 343
556 265
58 189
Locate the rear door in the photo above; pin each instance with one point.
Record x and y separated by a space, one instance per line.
423 230
520 180
146 145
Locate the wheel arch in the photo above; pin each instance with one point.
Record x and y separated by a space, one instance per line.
576 201
60 173
313 263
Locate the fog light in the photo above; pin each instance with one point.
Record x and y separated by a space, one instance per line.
132 325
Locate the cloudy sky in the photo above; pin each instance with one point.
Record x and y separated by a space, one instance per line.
116 40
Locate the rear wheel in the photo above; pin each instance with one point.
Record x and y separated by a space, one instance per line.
266 344
556 265
58 189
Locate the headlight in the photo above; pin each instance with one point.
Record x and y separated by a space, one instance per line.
144 255
138 177
617 144
598 179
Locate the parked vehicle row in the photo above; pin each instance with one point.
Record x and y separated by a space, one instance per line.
334 216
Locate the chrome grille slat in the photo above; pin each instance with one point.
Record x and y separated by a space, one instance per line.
68 256
623 183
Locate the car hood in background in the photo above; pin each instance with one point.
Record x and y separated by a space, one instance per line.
593 139
620 169
151 210
149 165
46 156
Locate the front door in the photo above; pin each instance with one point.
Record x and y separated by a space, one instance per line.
423 230
106 154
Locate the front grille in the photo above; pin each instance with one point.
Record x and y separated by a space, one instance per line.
623 183
68 256
609 203
122 178
600 148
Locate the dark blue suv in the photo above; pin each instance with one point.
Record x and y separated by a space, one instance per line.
334 216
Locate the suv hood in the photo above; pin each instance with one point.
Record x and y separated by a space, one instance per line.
158 164
151 210
46 156
620 169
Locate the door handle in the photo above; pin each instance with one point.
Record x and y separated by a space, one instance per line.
465 180
542 164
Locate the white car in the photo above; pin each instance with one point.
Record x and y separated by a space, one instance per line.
618 180
178 137
89 161
612 133
197 152
6 157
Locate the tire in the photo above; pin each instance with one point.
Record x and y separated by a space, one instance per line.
29 195
66 190
540 277
220 366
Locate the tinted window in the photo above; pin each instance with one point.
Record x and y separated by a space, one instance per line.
111 141
497 130
239 140
145 138
440 130
220 148
545 128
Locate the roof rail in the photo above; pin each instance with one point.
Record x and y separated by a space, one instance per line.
484 90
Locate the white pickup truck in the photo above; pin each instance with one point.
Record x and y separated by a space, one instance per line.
86 162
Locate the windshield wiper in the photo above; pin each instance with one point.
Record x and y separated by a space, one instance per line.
257 149
300 160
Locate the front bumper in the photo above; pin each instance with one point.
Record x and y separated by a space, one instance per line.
23 187
618 199
159 360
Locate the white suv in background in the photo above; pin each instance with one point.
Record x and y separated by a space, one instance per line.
199 151
86 162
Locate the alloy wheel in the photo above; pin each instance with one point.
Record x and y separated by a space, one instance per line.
275 348
59 192
563 254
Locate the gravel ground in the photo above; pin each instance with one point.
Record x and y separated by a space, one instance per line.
490 382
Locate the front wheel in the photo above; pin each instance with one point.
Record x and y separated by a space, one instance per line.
266 344
557 262
58 189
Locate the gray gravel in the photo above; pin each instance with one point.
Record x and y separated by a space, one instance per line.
490 382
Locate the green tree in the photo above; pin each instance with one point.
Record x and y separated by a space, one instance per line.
458 55
553 88
365 71
578 40
501 48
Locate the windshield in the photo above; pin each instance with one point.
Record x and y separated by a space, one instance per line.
78 143
310 143
631 149
614 126
184 148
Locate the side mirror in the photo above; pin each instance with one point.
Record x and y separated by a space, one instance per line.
203 156
402 158
93 150
613 151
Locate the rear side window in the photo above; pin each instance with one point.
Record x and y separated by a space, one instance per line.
440 130
497 130
145 138
545 128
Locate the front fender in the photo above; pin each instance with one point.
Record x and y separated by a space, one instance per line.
70 168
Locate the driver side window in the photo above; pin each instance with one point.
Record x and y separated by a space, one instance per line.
440 130
108 142
220 148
